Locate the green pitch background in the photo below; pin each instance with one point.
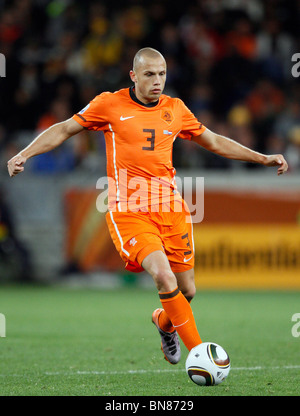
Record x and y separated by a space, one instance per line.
91 342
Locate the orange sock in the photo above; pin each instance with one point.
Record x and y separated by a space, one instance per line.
179 311
164 322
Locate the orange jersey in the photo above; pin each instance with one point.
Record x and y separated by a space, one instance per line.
139 144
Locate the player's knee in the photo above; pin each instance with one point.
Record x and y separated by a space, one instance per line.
189 292
165 280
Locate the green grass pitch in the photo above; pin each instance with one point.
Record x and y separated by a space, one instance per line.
92 342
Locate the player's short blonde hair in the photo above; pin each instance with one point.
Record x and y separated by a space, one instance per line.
145 53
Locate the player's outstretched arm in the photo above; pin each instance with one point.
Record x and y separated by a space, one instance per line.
46 141
230 149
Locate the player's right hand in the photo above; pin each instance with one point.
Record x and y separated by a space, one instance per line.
16 165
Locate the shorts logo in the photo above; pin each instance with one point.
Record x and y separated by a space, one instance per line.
186 260
132 242
167 116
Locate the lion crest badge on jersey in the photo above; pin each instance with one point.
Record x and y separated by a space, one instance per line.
167 116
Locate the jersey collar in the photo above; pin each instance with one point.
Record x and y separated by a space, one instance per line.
134 98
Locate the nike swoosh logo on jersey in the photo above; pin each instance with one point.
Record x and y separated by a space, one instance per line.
125 118
185 260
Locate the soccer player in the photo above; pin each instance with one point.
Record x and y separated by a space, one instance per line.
147 217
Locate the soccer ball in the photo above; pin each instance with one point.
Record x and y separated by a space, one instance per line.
207 364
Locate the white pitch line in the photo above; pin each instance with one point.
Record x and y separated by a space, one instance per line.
258 368
141 371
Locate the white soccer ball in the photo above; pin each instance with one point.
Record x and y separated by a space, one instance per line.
207 364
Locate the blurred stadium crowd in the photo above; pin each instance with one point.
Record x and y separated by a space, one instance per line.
229 60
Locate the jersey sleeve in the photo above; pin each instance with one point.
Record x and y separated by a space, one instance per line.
95 115
191 126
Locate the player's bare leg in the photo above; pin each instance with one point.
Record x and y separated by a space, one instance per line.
158 266
186 283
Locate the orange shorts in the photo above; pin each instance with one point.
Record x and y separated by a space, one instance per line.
137 234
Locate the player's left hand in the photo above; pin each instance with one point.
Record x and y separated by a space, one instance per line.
277 160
